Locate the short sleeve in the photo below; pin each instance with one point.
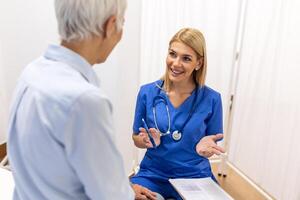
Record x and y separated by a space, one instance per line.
215 121
140 112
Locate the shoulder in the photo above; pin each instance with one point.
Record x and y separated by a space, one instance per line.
209 91
92 98
56 84
150 88
211 94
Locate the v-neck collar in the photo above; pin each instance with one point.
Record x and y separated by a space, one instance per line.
186 101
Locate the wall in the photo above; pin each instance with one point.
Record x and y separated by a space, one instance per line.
24 33
3 103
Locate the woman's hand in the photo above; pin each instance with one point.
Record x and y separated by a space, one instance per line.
145 138
207 146
142 193
142 140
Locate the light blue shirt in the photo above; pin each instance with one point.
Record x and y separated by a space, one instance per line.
61 138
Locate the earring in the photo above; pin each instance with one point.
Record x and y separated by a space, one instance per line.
197 68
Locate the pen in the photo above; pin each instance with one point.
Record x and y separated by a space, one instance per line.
149 134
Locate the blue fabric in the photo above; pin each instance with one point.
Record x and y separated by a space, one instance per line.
173 159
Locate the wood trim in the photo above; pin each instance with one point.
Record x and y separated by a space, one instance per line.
235 185
2 151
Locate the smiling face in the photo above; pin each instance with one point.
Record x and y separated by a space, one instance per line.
181 62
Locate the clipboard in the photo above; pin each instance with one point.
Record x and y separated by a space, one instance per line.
199 189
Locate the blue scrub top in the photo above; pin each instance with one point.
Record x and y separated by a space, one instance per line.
178 159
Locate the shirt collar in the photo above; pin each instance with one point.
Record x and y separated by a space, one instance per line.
77 62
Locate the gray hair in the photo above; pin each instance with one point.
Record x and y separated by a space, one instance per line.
80 19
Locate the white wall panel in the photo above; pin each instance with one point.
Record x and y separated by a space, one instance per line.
264 143
3 103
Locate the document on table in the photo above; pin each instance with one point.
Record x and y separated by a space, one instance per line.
199 189
7 184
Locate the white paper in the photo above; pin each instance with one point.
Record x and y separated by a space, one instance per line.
6 184
199 189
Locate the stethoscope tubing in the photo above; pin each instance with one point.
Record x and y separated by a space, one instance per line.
177 134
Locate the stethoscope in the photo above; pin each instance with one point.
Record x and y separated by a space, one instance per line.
159 98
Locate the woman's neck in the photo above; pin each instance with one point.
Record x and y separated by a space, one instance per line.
183 88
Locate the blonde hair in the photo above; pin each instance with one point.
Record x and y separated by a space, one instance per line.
195 40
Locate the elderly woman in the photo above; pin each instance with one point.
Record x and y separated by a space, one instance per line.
60 141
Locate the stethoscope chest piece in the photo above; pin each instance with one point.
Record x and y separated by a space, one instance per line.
176 135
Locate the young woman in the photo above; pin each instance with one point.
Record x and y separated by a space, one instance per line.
184 117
